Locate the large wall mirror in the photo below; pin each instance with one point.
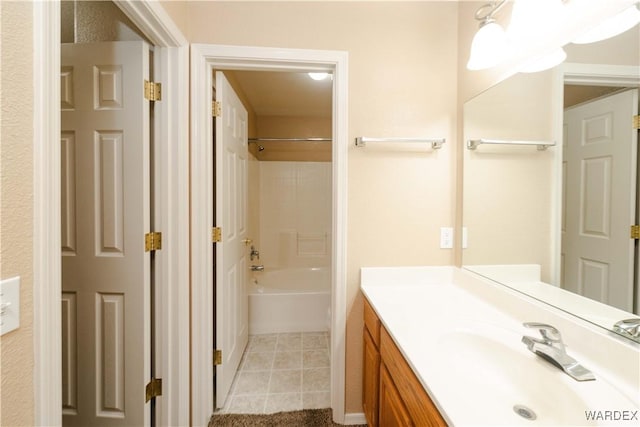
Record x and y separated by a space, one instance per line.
551 182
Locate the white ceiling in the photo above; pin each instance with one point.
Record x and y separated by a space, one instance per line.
273 93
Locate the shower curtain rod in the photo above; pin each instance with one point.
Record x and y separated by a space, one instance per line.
291 139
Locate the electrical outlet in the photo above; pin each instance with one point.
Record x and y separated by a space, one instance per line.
446 238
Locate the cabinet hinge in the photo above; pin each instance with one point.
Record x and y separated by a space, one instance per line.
635 232
636 122
153 389
152 241
216 234
152 91
216 108
217 357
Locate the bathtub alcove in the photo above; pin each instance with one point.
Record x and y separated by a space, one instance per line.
291 219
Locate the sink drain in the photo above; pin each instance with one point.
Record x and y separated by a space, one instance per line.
524 412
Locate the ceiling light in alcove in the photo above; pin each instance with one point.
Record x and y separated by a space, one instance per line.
318 76
618 24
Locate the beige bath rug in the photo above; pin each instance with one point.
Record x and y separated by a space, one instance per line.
307 417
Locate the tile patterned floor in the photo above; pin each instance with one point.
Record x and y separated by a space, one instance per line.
282 372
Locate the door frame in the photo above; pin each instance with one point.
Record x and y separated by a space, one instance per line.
581 74
171 214
204 59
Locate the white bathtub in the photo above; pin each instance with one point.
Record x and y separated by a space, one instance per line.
290 300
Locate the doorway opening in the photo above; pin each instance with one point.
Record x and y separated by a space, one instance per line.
206 59
287 208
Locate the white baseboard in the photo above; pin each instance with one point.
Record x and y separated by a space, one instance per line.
355 418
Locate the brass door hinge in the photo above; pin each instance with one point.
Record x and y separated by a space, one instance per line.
635 232
216 234
152 241
153 389
152 91
216 109
217 357
636 122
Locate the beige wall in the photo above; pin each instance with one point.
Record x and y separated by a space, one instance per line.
16 207
402 82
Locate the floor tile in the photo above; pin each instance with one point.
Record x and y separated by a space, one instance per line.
262 361
260 343
247 404
316 379
314 340
286 381
316 400
283 402
289 342
315 359
287 360
252 382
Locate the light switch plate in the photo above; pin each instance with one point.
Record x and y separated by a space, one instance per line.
9 304
464 238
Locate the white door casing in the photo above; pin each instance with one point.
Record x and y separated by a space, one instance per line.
171 57
205 58
600 155
231 158
105 214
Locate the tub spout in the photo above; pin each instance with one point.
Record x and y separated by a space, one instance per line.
257 268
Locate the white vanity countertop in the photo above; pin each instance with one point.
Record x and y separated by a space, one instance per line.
468 355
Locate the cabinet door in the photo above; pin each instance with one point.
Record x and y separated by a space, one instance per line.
392 411
370 381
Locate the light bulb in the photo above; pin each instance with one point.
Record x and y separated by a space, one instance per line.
529 16
544 62
488 48
618 24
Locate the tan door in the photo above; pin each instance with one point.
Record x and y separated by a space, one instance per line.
600 157
105 214
231 162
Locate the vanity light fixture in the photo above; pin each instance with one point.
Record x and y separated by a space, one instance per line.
544 62
489 46
527 16
618 24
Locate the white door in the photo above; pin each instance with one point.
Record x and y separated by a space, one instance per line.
600 158
105 214
231 300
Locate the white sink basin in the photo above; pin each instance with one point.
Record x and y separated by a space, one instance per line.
501 374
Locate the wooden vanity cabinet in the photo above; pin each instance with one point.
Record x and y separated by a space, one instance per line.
392 394
371 364
392 411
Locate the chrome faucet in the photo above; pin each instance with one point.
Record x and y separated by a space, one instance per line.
629 328
254 253
552 349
